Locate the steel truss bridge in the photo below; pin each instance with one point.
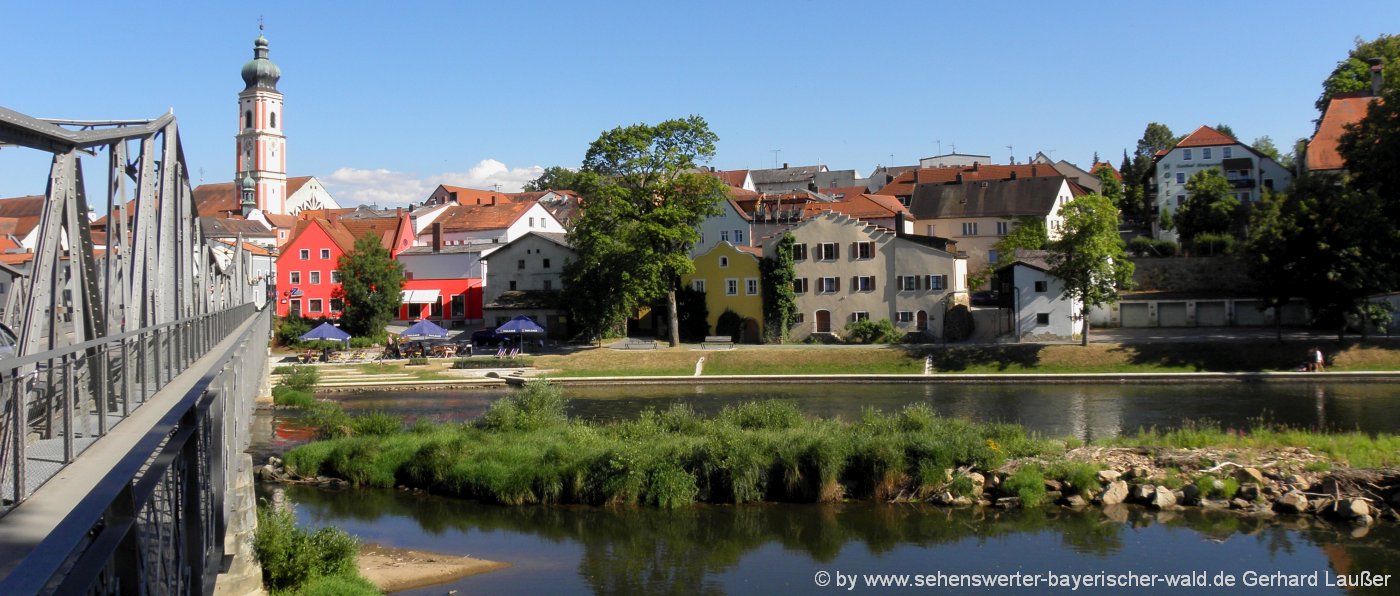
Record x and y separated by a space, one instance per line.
127 401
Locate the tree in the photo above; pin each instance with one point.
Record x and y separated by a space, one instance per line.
370 285
1156 137
557 178
643 203
779 299
1271 268
1113 189
1354 74
1029 233
1090 258
1225 129
1371 149
1210 206
1266 146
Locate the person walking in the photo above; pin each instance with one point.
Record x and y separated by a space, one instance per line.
1318 360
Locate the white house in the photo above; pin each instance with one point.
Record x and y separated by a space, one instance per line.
1249 172
732 225
1038 310
497 221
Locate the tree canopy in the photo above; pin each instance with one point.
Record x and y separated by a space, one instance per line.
1210 205
1029 233
643 200
1090 257
779 298
1354 74
370 285
557 178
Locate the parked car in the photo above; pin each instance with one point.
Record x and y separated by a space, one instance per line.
489 337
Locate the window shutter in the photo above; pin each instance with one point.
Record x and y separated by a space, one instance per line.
872 283
855 283
837 282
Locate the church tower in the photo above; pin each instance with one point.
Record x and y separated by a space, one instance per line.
262 145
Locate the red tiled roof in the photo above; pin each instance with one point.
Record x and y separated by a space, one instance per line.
1322 149
217 198
739 194
342 237
731 177
294 184
861 206
467 218
279 220
753 250
1206 136
903 184
248 246
475 196
1102 165
322 213
25 212
385 228
7 243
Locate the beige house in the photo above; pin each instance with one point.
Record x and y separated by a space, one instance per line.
977 213
526 277
849 270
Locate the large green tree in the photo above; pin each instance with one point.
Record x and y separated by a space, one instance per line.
1090 257
1028 233
644 200
1210 206
1272 269
370 285
557 178
779 298
1354 74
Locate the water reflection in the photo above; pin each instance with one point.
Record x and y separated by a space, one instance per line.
714 549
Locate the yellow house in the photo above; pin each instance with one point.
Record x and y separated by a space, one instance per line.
729 277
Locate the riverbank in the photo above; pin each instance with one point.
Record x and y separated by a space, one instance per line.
396 569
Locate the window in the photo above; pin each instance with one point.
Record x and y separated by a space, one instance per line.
724 236
1180 199
325 254
936 282
512 285
724 261
1042 318
294 277
970 228
1186 154
335 277
546 263
863 283
1042 286
248 119
751 286
1205 153
305 254
313 305
738 236
295 308
1181 178
828 251
315 278
549 284
905 316
828 285
520 264
800 318
337 305
1225 152
799 252
459 306
532 222
799 285
992 256
908 283
731 287
865 250
697 285
273 119
860 315
1003 228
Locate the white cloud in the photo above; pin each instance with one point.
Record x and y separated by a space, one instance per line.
388 188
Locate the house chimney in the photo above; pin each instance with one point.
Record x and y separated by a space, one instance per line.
1013 175
1377 65
899 224
785 165
437 236
1033 170
959 178
975 165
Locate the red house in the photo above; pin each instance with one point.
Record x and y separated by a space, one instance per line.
306 268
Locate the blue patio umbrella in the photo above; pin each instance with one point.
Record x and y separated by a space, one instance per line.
326 331
424 328
520 326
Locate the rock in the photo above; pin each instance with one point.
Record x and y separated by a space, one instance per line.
1116 492
1117 513
1245 475
979 482
1214 504
1190 494
1142 493
1054 496
1107 476
960 502
1238 503
1270 491
1293 502
1138 473
1009 502
1054 485
1162 498
274 461
1364 521
1249 491
1361 531
1299 481
1076 502
1355 508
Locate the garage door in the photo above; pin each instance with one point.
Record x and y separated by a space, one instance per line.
1171 314
1295 313
1247 314
1211 314
1134 314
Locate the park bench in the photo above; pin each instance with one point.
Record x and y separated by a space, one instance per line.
639 344
717 341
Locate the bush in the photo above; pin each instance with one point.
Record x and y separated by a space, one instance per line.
1027 484
772 414
368 342
1082 477
375 424
417 362
286 396
1144 246
957 323
538 405
491 362
301 378
292 558
872 332
289 329
1212 244
730 325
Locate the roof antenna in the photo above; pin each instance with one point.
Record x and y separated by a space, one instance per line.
1013 154
775 156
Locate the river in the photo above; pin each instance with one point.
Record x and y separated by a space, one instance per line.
777 548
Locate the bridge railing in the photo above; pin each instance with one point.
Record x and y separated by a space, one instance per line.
155 523
55 404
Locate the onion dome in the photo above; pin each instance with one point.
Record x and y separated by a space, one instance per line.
261 72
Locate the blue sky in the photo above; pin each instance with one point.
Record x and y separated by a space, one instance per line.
383 102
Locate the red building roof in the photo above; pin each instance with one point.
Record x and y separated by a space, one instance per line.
1322 152
903 184
1206 136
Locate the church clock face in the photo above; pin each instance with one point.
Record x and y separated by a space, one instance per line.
247 155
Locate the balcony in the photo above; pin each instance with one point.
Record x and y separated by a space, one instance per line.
1241 182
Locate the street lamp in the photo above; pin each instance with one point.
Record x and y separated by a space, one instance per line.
247 186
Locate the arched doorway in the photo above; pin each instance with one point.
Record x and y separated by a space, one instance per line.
921 321
823 321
